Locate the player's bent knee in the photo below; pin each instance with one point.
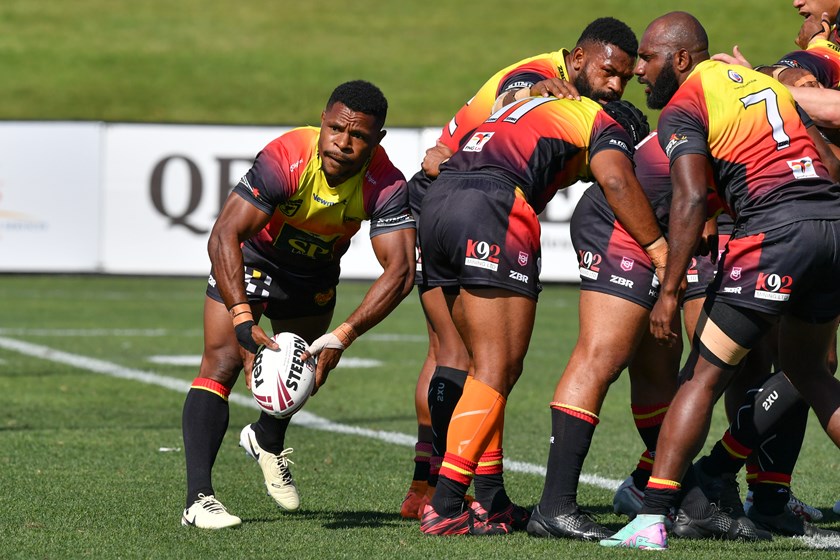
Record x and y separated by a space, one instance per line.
726 333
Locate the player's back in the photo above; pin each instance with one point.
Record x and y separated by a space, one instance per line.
539 144
765 165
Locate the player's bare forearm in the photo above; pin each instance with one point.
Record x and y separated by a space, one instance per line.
614 173
688 216
395 252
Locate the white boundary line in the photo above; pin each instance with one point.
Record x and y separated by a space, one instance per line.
302 418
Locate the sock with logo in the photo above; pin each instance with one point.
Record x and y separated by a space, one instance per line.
204 422
571 435
445 390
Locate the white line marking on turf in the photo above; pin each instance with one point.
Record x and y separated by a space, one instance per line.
195 361
302 418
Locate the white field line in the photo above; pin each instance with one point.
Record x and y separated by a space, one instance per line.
195 361
302 418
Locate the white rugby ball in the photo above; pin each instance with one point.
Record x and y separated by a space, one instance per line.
280 381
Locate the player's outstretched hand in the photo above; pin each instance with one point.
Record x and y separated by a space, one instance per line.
735 58
555 86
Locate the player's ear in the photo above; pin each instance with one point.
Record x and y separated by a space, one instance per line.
578 56
381 135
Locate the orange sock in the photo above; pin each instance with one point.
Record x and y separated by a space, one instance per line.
477 422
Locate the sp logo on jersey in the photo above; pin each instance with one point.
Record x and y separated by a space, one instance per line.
477 142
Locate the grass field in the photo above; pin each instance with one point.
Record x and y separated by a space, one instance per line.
91 463
252 62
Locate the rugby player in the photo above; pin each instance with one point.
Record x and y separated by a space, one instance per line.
599 67
275 251
758 161
487 267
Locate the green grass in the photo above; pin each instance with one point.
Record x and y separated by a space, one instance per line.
82 474
220 61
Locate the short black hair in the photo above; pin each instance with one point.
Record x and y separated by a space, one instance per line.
610 31
362 97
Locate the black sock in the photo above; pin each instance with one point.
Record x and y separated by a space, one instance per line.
271 432
448 500
660 501
445 390
204 422
571 437
770 499
490 491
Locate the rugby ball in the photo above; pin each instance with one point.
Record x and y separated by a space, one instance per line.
280 381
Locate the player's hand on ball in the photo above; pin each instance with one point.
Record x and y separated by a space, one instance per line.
328 348
261 339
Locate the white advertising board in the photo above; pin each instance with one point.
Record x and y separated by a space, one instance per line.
49 196
142 198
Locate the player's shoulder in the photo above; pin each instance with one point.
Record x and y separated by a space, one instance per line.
294 144
381 171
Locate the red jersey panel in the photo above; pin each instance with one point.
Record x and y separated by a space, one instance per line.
540 145
765 166
312 223
524 73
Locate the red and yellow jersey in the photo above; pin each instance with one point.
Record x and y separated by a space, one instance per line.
765 166
311 223
524 73
822 59
540 145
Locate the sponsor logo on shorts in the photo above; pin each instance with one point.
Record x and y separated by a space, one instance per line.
590 264
773 287
735 76
735 273
674 141
518 276
627 264
523 258
477 142
323 298
692 276
621 281
802 168
482 255
732 290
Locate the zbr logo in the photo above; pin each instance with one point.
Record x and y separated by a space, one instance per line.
773 287
735 76
482 255
477 142
802 168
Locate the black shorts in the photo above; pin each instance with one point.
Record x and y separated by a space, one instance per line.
417 187
609 260
478 231
792 270
283 295
701 271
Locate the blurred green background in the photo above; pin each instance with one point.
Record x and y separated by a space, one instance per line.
249 62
